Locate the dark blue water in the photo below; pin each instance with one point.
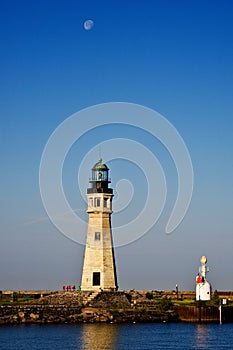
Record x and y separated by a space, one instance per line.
122 337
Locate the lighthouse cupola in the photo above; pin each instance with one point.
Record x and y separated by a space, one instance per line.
99 178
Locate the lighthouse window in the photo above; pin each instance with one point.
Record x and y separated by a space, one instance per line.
97 236
97 202
105 202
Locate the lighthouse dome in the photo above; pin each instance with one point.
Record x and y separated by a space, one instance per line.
100 166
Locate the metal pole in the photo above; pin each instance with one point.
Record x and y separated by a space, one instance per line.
177 291
220 312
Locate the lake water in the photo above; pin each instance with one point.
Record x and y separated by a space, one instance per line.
123 337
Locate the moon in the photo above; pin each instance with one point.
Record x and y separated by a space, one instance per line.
88 24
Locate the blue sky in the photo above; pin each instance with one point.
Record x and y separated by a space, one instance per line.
172 56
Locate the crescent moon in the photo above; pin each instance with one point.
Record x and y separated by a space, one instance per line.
88 24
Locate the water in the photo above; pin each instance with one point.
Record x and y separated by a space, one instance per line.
122 337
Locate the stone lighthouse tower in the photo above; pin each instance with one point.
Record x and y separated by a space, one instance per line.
99 271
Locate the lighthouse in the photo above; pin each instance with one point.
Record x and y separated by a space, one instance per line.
203 288
99 270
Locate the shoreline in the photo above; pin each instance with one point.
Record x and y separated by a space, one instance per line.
53 307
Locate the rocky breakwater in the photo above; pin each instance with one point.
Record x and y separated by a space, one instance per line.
80 307
56 308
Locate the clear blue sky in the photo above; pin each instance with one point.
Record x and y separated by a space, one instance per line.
172 56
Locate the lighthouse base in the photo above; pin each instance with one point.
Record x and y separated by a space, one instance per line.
203 291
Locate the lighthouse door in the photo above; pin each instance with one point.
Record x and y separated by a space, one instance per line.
96 278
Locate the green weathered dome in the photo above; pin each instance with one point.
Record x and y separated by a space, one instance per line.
100 166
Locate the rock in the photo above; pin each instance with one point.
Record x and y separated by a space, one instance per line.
34 316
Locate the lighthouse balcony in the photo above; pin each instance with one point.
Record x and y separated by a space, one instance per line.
99 190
